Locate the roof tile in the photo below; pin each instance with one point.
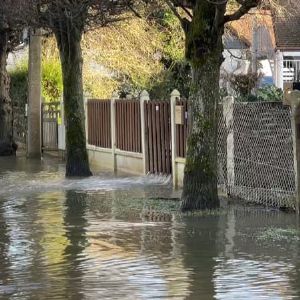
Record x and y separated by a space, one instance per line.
287 26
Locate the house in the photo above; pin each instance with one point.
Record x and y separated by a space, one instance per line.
265 42
287 48
249 46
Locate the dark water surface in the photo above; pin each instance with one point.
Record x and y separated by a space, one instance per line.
102 238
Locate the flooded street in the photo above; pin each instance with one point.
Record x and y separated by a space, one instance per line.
103 238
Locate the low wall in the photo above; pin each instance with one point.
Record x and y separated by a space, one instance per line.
129 162
179 171
100 158
104 159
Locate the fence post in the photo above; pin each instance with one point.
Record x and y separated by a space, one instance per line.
115 96
174 96
85 103
228 115
62 128
144 96
294 100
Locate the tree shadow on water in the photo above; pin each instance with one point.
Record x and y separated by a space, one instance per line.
4 245
75 223
200 239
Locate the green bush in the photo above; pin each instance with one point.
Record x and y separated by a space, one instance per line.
266 93
52 85
269 93
18 85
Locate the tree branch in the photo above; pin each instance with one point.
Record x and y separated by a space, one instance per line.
184 22
246 5
187 11
172 6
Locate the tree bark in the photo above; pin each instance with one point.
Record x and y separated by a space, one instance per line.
204 51
7 146
68 40
200 174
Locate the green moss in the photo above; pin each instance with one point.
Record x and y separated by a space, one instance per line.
280 235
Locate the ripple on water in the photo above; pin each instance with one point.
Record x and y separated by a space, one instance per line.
90 239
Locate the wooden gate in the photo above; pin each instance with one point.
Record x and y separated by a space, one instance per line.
50 115
158 137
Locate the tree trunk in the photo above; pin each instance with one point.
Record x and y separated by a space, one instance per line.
7 146
204 51
68 40
200 174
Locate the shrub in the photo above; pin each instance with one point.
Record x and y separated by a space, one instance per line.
243 84
52 85
19 84
269 93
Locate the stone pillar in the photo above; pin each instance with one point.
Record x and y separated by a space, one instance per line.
114 97
174 96
294 99
228 115
34 96
144 97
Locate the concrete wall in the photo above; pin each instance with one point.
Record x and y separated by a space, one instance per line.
129 162
104 159
100 158
179 171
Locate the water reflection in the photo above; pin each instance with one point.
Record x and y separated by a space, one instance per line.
253 265
75 224
4 244
84 242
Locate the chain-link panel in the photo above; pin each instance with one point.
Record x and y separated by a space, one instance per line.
263 154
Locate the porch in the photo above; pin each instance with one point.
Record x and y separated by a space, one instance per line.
287 69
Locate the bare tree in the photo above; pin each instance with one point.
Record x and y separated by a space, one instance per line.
203 22
68 19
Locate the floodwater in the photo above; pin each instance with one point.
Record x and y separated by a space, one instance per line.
103 238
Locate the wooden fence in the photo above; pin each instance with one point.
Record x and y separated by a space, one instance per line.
128 126
158 137
99 123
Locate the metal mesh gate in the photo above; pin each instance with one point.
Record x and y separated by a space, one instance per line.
263 154
259 165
